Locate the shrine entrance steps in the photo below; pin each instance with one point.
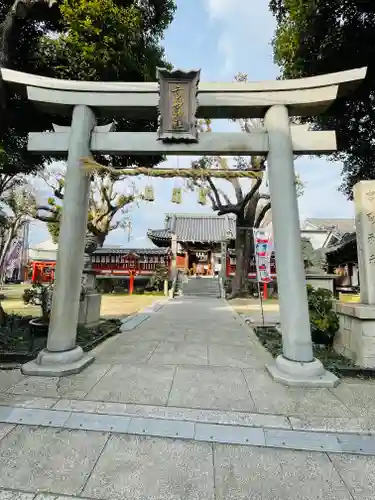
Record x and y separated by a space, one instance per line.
201 287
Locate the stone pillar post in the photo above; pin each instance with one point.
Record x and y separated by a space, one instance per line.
356 336
174 255
364 199
223 259
297 365
62 356
89 307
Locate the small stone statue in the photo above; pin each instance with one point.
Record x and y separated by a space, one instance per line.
88 277
91 244
313 260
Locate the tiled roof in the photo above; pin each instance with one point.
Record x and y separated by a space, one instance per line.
159 234
340 226
203 228
348 239
142 251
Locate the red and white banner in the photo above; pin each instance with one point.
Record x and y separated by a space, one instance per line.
263 244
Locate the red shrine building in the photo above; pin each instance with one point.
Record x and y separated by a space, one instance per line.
199 239
113 263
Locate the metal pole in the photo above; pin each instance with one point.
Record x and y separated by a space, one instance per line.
261 302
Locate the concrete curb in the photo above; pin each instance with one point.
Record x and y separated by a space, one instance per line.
195 430
134 320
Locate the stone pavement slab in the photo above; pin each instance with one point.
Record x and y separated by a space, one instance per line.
15 400
180 353
5 429
254 473
46 463
137 468
358 473
15 495
237 356
56 460
271 397
143 384
218 388
9 378
359 397
135 351
74 386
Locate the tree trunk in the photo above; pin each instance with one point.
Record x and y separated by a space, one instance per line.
244 253
100 238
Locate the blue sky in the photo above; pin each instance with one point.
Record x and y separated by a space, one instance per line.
222 38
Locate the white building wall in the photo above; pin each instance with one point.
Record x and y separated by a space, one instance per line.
46 250
317 238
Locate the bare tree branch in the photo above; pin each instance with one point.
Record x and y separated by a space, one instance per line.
251 193
262 214
19 205
47 219
225 196
237 189
215 194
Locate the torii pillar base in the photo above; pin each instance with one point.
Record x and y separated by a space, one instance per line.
58 364
299 374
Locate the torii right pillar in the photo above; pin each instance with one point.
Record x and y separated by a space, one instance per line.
297 365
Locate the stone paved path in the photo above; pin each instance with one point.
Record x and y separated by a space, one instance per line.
194 372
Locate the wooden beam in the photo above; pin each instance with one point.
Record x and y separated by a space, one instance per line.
146 143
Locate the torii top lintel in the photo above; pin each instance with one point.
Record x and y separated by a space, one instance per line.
304 97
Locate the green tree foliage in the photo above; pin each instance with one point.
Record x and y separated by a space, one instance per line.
78 39
314 37
22 26
105 40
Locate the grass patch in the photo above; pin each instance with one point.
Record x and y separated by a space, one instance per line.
271 339
113 304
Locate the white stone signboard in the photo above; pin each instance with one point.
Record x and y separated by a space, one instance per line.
364 197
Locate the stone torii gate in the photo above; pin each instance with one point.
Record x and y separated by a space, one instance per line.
180 99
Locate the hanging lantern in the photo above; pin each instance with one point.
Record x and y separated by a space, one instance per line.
177 196
149 193
202 196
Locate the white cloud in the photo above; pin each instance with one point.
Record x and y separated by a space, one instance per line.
246 30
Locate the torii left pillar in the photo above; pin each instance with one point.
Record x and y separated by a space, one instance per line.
62 356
